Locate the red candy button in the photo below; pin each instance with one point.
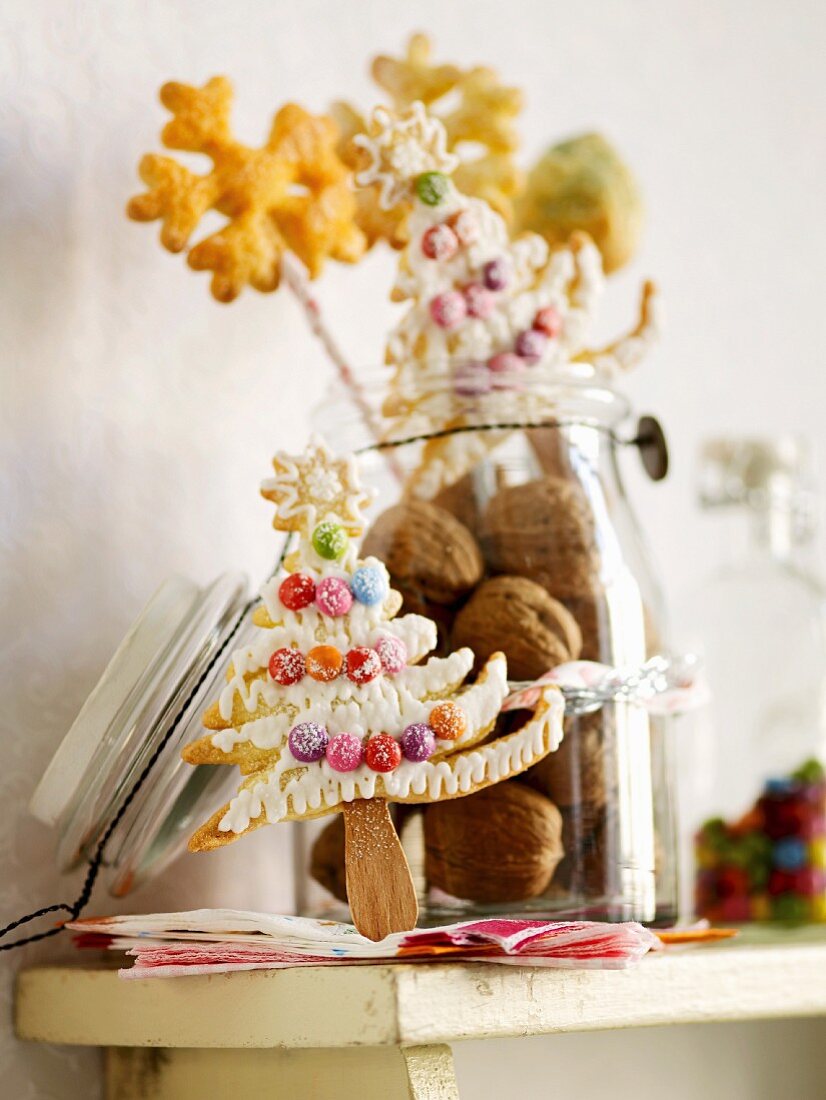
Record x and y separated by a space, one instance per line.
383 753
362 665
287 666
297 591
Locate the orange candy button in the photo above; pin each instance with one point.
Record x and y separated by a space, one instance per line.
447 720
324 663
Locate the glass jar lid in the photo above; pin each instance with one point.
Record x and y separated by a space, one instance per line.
146 705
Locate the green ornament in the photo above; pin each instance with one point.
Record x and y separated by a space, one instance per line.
329 540
432 187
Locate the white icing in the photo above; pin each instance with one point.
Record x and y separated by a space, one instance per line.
401 147
421 397
317 787
385 705
362 625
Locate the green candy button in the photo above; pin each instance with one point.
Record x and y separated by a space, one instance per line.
790 907
329 540
432 187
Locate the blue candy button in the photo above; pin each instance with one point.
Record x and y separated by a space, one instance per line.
789 854
369 585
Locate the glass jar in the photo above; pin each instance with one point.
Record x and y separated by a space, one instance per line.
537 489
758 797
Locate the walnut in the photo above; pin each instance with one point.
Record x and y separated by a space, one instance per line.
501 844
589 838
427 551
544 530
414 603
462 501
518 617
575 772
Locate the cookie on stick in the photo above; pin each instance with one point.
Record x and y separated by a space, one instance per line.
291 194
336 707
289 205
492 323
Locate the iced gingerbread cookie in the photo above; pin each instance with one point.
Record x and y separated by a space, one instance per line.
336 707
490 320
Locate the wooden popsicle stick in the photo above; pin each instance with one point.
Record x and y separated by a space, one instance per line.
379 886
549 447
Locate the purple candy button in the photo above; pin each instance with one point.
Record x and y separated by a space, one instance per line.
418 742
496 274
531 344
308 742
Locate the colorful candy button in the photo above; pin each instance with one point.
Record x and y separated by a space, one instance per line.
345 752
418 742
789 853
330 540
440 243
362 665
308 742
297 591
506 368
287 666
333 597
392 653
465 226
448 721
530 345
324 663
548 322
790 907
496 274
382 753
479 300
432 188
448 309
369 585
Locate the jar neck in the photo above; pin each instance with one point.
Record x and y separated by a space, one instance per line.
538 399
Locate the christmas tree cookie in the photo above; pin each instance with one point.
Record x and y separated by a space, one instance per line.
336 707
490 320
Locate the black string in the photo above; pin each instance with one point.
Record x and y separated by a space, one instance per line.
461 429
75 908
94 864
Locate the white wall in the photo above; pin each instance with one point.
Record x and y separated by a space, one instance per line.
137 416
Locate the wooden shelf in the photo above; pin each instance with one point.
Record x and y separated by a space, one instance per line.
418 1004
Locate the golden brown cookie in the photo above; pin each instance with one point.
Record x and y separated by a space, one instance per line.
291 193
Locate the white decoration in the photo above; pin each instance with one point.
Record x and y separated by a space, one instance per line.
400 148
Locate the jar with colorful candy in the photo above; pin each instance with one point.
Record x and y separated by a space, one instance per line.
758 784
